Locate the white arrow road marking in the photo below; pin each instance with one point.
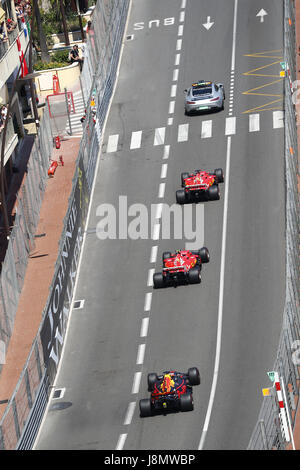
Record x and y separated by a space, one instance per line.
262 13
208 23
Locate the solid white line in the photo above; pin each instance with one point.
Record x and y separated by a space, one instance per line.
144 327
136 382
183 132
141 354
173 91
161 191
230 126
164 169
129 413
278 118
166 152
206 130
254 122
136 138
175 75
177 59
148 300
153 255
159 136
234 36
121 441
221 298
171 107
112 143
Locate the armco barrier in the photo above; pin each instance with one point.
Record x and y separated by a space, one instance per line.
24 412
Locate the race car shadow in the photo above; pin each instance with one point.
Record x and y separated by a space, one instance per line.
161 413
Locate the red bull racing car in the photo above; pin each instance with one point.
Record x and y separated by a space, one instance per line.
200 185
171 391
181 267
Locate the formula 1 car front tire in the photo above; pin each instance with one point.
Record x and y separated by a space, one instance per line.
166 255
219 174
145 407
180 196
194 275
186 402
151 379
194 376
204 254
183 177
158 281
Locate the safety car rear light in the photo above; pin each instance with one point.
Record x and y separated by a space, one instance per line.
215 99
191 102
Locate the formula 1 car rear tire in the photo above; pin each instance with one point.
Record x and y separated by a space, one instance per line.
219 174
158 281
180 196
145 407
213 193
186 402
151 379
166 255
194 275
204 254
194 376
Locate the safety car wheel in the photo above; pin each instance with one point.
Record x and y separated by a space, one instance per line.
186 402
145 407
194 376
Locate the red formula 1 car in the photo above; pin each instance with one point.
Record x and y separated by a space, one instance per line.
171 391
200 185
181 267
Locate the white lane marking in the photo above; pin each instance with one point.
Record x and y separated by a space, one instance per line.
178 44
230 127
121 441
141 354
175 75
158 212
166 152
156 230
136 382
177 59
254 123
171 107
183 132
112 143
129 413
150 277
153 255
144 327
136 138
221 298
173 91
164 169
161 190
183 4
181 17
180 30
170 121
159 136
278 119
206 130
148 300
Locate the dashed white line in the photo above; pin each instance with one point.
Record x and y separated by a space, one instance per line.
171 107
175 75
129 413
177 59
164 169
121 441
141 354
159 208
136 382
178 44
161 190
173 91
180 30
150 277
153 255
156 230
148 300
181 16
144 327
166 152
170 121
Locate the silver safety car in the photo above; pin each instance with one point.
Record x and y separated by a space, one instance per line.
204 96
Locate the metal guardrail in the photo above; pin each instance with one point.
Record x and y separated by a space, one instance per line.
270 430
